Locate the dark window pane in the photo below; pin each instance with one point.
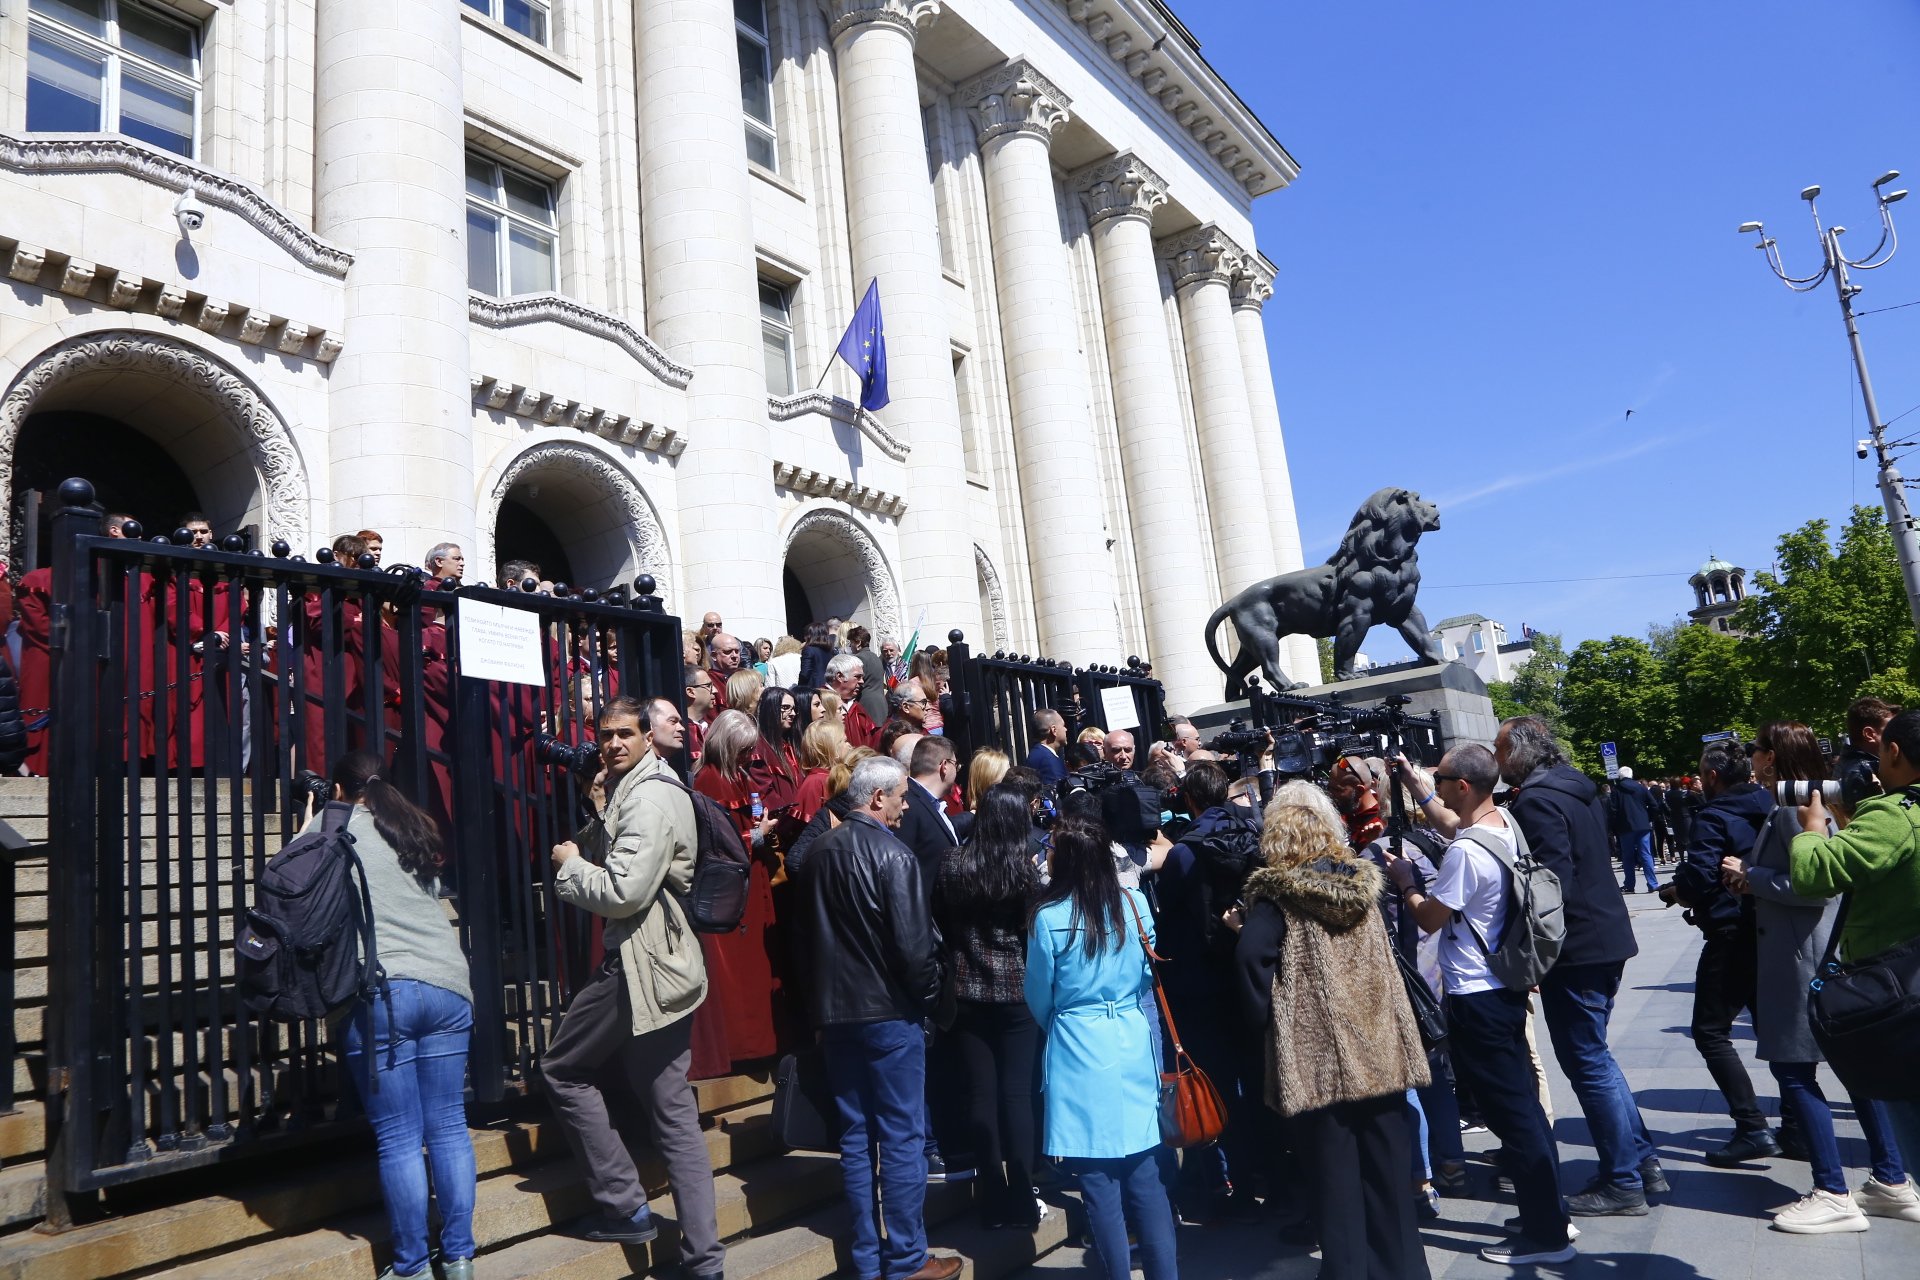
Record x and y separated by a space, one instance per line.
529 19
756 90
483 252
63 88
165 43
753 13
89 16
480 179
773 302
760 149
481 5
528 198
155 113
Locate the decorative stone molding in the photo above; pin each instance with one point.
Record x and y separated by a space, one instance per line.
818 484
1253 283
904 16
1121 186
175 173
847 531
644 533
508 313
127 291
1014 98
996 600
269 445
1201 256
502 395
787 408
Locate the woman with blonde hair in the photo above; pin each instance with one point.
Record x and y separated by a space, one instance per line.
822 743
1316 972
984 772
832 811
744 688
737 1023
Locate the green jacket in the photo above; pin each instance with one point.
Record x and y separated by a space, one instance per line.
1878 857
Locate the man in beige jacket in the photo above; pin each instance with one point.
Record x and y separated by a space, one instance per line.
638 1006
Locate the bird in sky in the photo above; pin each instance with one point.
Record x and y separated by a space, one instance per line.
1629 415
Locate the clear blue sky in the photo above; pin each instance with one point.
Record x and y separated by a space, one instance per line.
1515 221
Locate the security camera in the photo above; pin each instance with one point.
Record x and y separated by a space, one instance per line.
189 212
1860 448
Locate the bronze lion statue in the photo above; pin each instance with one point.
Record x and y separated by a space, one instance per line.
1370 582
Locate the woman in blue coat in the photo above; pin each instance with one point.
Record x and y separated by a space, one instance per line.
1086 974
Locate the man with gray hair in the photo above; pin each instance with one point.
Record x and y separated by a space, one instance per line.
446 560
867 942
846 677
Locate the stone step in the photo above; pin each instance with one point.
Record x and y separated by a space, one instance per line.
23 1131
23 1195
528 1157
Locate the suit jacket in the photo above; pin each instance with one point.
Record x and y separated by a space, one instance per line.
1044 761
923 831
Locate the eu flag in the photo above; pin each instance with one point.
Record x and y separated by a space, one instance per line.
864 347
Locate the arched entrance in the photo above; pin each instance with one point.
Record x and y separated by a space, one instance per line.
834 569
159 427
577 514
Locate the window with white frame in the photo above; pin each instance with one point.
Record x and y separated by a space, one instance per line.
112 66
528 17
513 236
1479 643
756 81
776 337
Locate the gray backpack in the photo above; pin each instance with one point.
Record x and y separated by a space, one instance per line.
1535 926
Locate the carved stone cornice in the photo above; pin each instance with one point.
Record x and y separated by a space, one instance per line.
506 313
503 395
787 408
1120 186
1253 283
904 16
175 173
1011 99
1201 256
818 484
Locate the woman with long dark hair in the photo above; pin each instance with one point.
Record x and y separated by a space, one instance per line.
774 766
419 1029
818 650
1085 980
1791 935
980 901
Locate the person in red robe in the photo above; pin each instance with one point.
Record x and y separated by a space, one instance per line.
822 743
845 676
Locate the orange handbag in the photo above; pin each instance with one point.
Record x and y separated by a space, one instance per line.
1191 1113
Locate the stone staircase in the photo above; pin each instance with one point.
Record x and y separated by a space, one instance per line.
315 1213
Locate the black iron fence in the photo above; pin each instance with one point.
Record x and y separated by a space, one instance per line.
994 697
191 689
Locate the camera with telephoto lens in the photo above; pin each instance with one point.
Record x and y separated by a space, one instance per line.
309 783
1795 793
582 760
1129 808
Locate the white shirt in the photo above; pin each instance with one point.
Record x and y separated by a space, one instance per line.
1473 883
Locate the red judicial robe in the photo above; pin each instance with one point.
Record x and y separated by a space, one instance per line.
736 1022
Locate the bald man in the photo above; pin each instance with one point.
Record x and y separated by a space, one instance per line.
1118 749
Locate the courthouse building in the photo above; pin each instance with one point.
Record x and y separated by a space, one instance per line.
558 277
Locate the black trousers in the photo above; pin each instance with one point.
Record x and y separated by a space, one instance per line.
998 1046
1487 1041
1230 1054
1358 1158
1723 985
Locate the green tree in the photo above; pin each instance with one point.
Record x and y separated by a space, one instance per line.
1617 691
1324 647
1830 622
1537 686
1709 673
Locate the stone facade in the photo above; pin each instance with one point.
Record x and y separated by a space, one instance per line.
611 324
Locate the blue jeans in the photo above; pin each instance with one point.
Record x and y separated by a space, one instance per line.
1636 850
1903 1123
1417 1126
1800 1093
1116 1191
420 1057
878 1070
1441 1108
1578 1000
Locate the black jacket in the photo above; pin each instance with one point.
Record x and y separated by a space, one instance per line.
1558 808
922 831
867 927
1726 826
1628 808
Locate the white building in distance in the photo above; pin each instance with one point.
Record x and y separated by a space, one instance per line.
1482 645
555 279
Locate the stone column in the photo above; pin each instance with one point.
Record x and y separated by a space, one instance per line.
1121 194
1016 109
696 225
1251 289
390 159
896 240
1202 263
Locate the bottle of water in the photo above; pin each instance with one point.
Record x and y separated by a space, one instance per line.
759 811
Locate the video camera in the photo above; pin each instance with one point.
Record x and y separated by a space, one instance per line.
1129 808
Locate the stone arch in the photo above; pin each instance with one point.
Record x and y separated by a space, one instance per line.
248 469
993 602
593 505
843 571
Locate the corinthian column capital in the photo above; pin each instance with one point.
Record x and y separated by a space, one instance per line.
1202 256
1014 98
1120 186
1253 283
904 16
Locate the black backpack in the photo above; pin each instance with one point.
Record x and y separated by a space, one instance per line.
722 866
307 948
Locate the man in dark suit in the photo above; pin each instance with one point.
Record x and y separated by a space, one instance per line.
924 826
1049 746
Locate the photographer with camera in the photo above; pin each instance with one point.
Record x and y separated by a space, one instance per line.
1792 934
1857 768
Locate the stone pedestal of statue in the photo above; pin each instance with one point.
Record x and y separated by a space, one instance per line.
1451 691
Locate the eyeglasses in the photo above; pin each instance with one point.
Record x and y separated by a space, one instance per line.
1448 777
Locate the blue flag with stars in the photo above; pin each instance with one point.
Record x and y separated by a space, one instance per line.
864 347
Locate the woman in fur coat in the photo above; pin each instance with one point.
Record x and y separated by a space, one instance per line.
1342 1048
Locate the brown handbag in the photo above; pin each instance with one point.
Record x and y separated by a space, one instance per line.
1191 1113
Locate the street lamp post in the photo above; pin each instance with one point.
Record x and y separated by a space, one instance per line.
1906 538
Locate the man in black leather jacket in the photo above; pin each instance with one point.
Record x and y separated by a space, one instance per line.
873 974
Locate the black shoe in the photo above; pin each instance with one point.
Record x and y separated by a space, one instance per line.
601 1225
1653 1179
939 1171
1748 1145
1604 1200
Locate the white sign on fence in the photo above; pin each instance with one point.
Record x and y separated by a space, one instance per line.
1119 708
498 643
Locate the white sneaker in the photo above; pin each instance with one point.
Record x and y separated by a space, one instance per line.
1820 1213
1880 1200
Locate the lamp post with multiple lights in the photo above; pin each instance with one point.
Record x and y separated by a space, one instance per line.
1893 492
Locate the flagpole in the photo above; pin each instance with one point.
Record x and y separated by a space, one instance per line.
823 374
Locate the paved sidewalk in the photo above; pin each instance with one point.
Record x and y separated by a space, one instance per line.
1714 1224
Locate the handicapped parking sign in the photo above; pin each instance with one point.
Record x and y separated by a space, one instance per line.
1610 758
